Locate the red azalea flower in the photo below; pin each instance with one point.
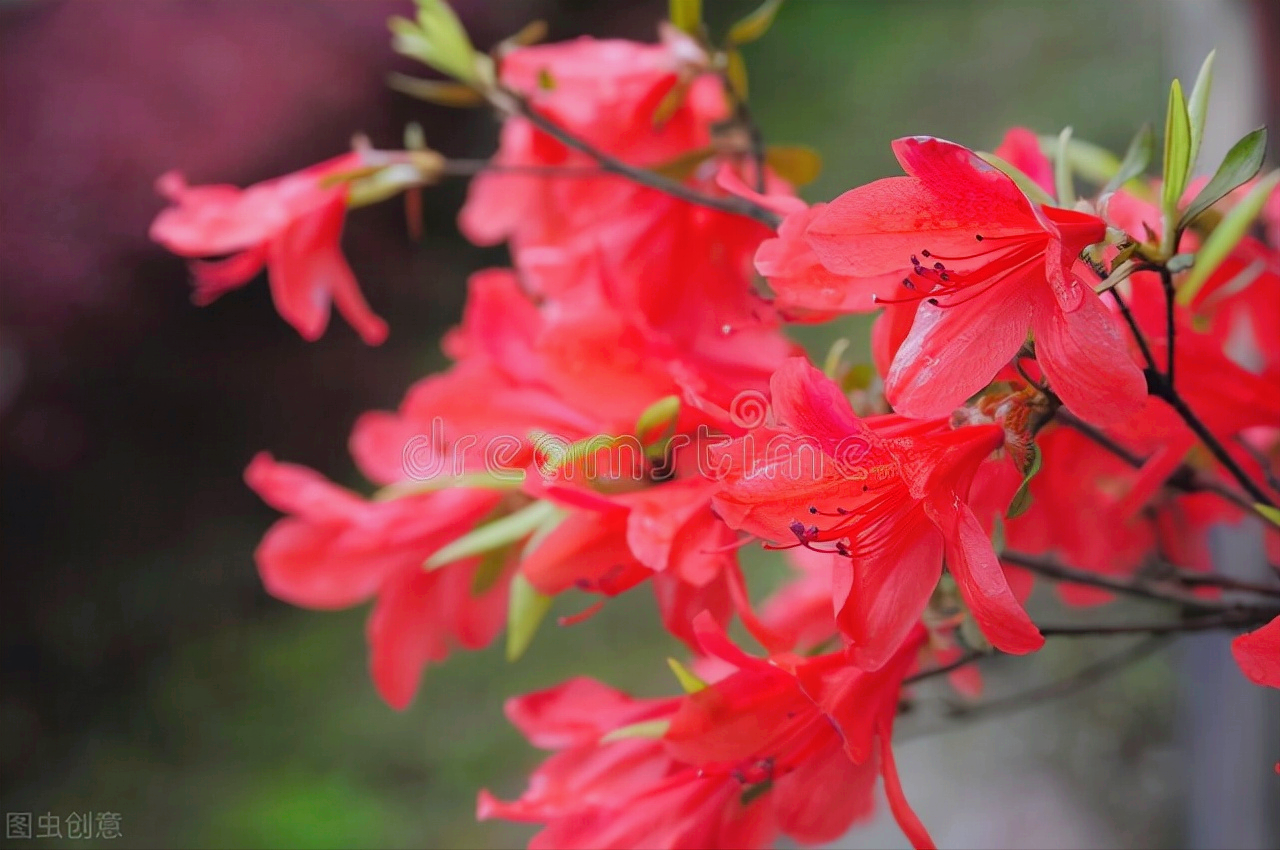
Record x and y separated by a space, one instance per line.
1258 654
335 550
889 493
606 92
789 745
292 225
988 266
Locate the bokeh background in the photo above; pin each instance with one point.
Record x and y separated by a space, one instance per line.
146 673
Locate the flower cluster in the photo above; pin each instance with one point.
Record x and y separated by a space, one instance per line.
1075 387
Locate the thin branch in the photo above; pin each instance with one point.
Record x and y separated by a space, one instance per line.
1161 389
1086 676
511 103
1184 478
1050 568
1242 619
1134 329
1166 282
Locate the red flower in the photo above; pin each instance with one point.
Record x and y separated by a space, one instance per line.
606 92
1258 654
890 494
292 225
335 550
786 745
988 266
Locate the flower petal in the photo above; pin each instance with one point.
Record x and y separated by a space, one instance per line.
954 351
972 561
1086 360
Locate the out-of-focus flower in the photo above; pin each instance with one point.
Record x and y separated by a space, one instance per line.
292 225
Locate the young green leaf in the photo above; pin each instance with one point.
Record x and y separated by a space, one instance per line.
688 681
437 39
735 71
1219 244
643 729
1198 107
754 25
1022 499
1136 159
1239 166
685 15
1028 186
439 92
1177 154
1091 162
525 611
495 534
1062 181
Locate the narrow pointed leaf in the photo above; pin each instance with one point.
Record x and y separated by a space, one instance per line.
1272 514
1177 152
1028 186
691 683
1239 166
440 92
1136 159
1224 238
736 73
525 612
643 729
754 25
1198 107
493 535
1022 499
686 14
489 570
1062 181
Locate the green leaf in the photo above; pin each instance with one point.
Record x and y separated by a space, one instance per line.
1177 155
1062 182
489 571
799 165
1198 107
691 683
1224 238
1239 166
998 534
438 39
1136 159
643 729
440 92
1092 162
662 414
686 15
495 534
1028 186
754 25
511 480
1271 514
735 71
1022 499
526 609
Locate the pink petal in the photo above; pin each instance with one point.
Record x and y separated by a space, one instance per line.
1085 358
972 561
954 351
889 590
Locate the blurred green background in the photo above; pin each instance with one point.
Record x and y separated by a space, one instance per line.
145 671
